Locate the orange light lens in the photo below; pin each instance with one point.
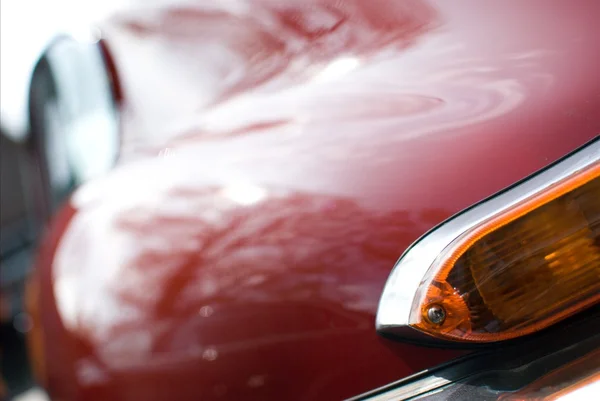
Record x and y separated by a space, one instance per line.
519 271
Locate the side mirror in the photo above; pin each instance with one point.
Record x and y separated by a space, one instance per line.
74 120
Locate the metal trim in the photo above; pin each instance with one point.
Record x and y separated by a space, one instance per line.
533 357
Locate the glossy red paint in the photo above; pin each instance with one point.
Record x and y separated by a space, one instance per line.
278 157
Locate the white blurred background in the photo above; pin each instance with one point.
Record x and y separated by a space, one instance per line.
26 28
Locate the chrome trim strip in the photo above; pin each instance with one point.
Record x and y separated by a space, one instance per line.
410 270
530 358
413 389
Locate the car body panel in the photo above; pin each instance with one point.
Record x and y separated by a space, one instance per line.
277 158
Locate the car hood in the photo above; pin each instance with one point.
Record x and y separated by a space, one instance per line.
277 159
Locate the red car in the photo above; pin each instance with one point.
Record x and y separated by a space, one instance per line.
236 187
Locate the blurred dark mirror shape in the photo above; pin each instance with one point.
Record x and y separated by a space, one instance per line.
74 119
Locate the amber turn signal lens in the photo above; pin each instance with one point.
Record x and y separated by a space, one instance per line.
519 271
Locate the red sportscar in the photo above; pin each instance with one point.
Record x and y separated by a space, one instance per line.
320 200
